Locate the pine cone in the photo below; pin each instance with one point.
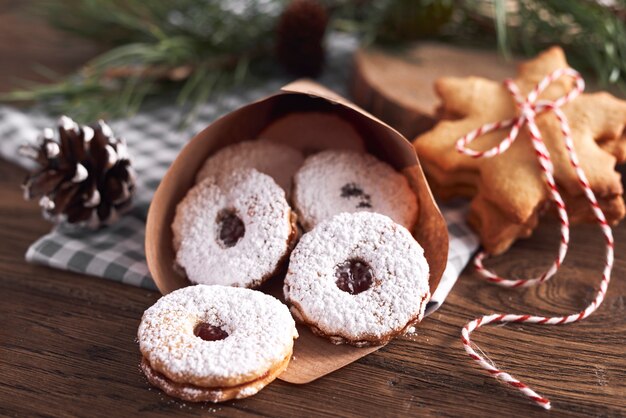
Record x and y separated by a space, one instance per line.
85 177
300 36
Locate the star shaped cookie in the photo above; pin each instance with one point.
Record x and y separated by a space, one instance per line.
508 191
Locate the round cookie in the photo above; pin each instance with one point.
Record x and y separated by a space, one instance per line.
312 132
276 160
358 278
234 230
333 182
214 343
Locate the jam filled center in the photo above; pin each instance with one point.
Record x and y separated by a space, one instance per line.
209 332
354 191
230 228
354 276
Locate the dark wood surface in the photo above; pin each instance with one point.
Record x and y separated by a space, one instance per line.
67 341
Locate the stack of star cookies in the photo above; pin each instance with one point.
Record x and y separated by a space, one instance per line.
507 191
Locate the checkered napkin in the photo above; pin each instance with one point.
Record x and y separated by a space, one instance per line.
154 139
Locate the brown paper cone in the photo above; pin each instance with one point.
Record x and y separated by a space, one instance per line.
314 357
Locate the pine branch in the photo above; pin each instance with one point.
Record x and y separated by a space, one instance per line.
161 46
593 35
197 47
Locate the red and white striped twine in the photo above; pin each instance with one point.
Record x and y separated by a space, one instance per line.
529 108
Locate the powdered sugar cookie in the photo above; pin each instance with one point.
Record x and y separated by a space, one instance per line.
313 132
358 278
276 160
214 343
235 230
335 181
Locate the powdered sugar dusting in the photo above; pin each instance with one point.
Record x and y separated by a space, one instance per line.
261 333
248 391
276 160
400 276
333 182
259 203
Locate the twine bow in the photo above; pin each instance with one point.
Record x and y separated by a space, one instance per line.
529 108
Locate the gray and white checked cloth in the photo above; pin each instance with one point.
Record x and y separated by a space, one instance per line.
154 139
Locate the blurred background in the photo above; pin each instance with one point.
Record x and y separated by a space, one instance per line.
105 58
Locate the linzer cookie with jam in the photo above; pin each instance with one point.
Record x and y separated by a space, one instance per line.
276 160
358 278
234 230
336 181
215 343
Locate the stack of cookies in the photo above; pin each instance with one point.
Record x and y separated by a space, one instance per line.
317 203
508 192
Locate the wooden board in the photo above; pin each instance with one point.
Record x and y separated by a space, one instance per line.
67 341
397 86
68 349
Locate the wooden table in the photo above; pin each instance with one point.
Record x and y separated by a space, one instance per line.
67 341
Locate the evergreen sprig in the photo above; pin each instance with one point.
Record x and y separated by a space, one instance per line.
196 47
593 32
191 46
